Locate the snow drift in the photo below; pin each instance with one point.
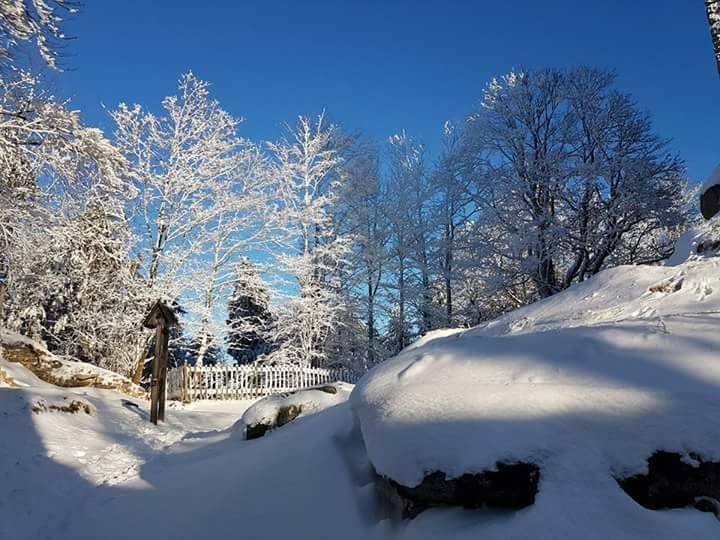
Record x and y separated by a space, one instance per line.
587 385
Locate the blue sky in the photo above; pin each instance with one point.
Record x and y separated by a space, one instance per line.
379 67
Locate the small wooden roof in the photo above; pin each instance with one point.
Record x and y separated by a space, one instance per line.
160 313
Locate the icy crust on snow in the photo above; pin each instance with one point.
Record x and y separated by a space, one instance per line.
587 384
310 400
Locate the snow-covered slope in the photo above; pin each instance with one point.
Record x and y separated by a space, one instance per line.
51 461
18 349
585 384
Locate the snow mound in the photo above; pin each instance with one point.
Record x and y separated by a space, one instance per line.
586 384
268 411
34 356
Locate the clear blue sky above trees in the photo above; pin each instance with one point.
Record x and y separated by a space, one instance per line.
378 67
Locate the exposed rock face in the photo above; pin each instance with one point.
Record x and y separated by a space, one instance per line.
256 431
511 486
50 369
287 414
284 416
68 406
675 482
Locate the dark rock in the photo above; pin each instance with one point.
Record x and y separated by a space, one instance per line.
256 431
710 201
703 247
672 483
287 414
511 486
708 504
328 389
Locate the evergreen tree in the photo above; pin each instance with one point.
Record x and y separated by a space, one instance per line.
249 316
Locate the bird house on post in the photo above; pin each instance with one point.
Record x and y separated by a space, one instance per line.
161 318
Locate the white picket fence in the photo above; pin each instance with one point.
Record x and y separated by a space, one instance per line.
189 383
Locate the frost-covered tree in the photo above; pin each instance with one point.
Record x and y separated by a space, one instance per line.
59 219
452 208
35 20
712 8
408 226
77 289
181 163
363 206
568 175
243 223
249 318
307 166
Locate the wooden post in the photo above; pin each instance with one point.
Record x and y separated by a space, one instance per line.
185 384
161 318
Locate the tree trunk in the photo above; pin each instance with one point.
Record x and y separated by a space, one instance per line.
449 239
140 363
401 307
370 321
3 287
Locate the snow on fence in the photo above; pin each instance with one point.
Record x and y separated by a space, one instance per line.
189 383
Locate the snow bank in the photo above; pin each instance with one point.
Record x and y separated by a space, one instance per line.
52 369
586 384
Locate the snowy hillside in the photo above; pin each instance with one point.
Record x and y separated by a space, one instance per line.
586 385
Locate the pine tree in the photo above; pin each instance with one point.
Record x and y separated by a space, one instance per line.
249 316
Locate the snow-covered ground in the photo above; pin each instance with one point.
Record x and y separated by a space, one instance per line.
586 384
50 461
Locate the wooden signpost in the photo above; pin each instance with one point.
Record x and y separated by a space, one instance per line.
161 318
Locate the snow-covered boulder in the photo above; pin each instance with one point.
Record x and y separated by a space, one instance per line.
280 409
703 238
18 349
586 385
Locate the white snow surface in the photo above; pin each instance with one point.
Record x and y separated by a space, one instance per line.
53 461
587 384
310 400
